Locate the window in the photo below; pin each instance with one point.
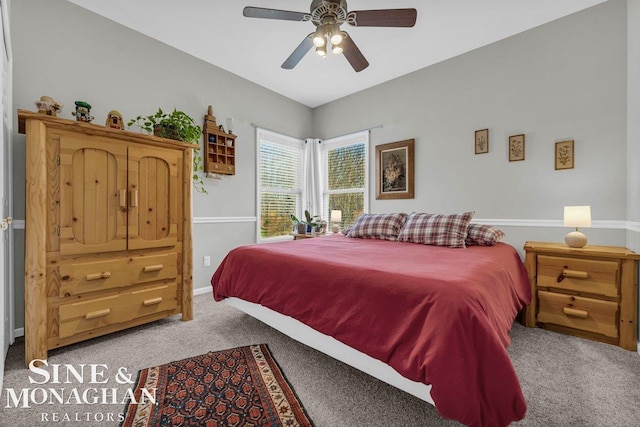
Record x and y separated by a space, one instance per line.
346 170
279 183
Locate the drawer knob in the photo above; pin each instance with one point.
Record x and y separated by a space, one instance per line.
156 267
152 301
574 312
97 313
98 276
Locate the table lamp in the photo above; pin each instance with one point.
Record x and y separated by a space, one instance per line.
576 216
336 217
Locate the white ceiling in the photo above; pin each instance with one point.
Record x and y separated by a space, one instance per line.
216 32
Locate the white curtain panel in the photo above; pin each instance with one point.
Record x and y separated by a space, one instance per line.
312 177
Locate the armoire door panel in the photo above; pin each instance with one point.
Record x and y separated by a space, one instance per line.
91 177
153 178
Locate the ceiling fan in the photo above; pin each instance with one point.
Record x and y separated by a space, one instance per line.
328 16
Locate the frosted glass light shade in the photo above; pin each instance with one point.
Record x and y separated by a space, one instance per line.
318 37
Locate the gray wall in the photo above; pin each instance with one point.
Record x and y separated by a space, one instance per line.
566 79
633 128
633 124
66 52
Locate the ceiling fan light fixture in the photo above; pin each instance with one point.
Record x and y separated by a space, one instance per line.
337 48
328 16
321 51
335 34
318 37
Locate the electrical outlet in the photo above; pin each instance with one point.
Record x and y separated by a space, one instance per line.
206 261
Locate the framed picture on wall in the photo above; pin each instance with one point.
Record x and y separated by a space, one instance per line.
564 154
482 141
516 148
394 170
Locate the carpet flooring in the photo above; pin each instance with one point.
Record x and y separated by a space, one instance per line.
567 381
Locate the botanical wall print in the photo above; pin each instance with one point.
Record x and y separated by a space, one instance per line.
394 170
564 154
516 148
482 141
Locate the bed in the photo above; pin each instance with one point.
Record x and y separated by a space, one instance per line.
431 320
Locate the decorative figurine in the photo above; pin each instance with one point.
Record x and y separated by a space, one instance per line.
114 120
48 106
82 112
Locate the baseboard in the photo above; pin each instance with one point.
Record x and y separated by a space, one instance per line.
202 291
638 347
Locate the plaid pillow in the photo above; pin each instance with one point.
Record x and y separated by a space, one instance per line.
378 226
437 230
483 235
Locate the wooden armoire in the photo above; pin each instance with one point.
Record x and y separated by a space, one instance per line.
107 231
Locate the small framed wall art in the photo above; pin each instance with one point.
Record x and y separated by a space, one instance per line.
482 141
394 170
564 154
516 148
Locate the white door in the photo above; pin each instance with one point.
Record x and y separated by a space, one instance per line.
6 293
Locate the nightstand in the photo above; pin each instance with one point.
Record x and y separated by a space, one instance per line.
590 292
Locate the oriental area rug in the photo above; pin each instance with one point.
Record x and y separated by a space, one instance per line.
238 387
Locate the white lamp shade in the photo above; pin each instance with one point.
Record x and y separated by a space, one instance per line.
577 216
336 216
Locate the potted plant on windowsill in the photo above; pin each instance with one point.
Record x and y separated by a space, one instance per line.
179 126
299 227
313 224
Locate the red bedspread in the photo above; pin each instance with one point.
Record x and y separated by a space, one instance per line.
436 315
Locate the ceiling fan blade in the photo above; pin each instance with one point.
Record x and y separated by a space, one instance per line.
353 54
286 15
299 53
383 18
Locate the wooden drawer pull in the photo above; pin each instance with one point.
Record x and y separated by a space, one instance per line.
575 312
98 276
574 274
156 267
97 313
123 198
152 301
133 198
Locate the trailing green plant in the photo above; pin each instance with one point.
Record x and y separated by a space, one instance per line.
176 125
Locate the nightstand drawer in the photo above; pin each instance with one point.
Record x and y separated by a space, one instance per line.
586 314
582 275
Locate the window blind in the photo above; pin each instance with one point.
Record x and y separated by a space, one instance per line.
280 186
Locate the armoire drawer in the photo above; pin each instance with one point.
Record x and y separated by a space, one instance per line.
79 277
93 314
586 314
598 277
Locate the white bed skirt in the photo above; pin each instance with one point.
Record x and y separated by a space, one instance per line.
332 347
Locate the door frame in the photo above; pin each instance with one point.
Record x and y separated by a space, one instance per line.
6 156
